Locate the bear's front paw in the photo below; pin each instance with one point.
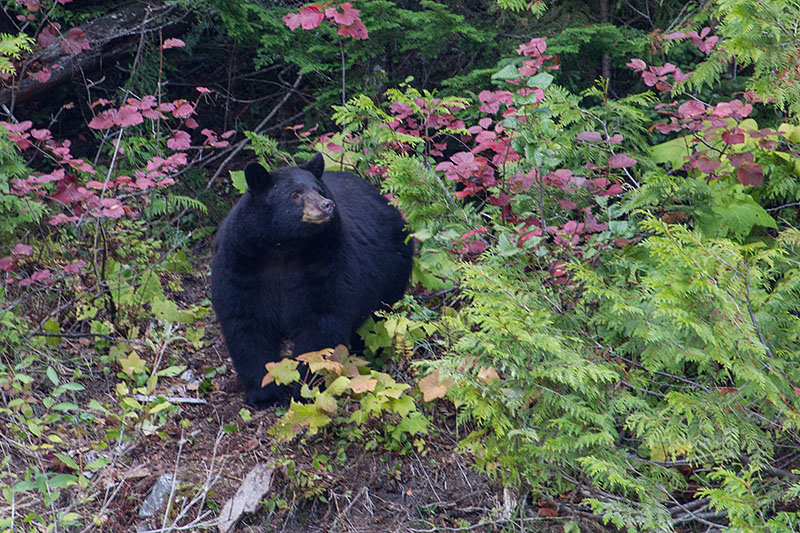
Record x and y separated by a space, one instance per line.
265 397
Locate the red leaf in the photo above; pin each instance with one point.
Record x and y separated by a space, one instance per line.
750 174
180 140
41 275
292 20
636 64
103 120
112 208
533 48
735 136
357 31
21 249
41 135
738 160
172 43
591 136
75 267
17 127
617 138
5 264
675 35
202 90
31 5
183 110
74 42
706 165
61 218
692 108
348 16
48 35
43 75
310 17
621 161
128 116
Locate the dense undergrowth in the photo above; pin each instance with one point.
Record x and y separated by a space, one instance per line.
606 287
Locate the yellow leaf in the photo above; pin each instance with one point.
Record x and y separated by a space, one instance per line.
433 387
360 384
488 374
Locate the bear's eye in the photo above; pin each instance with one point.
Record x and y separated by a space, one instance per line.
296 195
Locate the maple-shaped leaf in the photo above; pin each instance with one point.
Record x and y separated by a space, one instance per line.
180 140
18 127
41 135
5 264
691 109
74 42
103 120
128 115
326 402
68 191
636 64
283 372
362 383
622 160
172 43
433 387
132 364
309 17
183 110
48 35
31 5
347 17
750 174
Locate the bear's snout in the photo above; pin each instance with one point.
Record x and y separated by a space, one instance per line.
327 207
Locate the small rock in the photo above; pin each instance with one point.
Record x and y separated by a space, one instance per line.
257 483
157 498
189 377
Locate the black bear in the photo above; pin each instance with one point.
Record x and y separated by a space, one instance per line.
305 256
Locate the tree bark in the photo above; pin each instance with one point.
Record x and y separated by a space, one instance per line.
109 37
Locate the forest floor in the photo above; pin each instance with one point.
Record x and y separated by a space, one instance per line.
329 482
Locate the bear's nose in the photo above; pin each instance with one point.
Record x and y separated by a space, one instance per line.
327 206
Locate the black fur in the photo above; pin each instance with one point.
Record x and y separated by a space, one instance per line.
275 277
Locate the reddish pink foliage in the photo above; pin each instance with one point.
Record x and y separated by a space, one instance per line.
21 249
172 43
590 136
75 267
74 42
61 218
5 264
750 174
48 35
180 140
103 120
357 31
308 18
128 115
183 110
734 136
706 165
691 109
347 17
621 161
738 160
493 99
203 90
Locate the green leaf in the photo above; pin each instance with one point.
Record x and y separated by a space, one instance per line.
67 460
53 327
509 72
52 376
238 181
283 372
543 80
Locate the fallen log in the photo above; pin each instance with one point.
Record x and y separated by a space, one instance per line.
109 37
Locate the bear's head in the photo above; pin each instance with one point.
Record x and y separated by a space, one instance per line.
291 204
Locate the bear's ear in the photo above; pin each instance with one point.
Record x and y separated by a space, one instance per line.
257 177
316 166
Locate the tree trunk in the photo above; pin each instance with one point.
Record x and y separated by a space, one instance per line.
109 37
